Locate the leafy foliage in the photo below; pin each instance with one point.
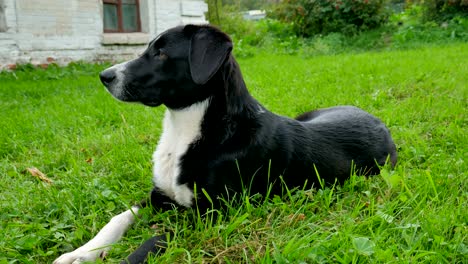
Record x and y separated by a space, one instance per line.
443 10
247 4
311 17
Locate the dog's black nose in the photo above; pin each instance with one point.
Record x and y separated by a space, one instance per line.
107 76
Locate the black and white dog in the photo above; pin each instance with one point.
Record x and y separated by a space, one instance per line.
215 135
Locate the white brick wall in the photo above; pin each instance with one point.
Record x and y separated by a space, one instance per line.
170 13
167 14
10 15
8 47
72 30
193 8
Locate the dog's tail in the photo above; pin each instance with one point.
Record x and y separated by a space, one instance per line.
154 245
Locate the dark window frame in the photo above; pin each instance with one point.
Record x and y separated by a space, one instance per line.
120 29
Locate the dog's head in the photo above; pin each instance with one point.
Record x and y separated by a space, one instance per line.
173 70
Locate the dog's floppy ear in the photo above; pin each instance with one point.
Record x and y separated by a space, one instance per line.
209 48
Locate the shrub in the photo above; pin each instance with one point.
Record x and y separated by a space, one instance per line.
414 26
442 10
310 17
275 28
230 20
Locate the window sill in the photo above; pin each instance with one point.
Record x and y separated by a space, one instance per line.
125 38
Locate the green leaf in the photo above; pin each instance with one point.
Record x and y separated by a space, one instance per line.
364 246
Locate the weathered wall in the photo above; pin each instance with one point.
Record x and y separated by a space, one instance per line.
8 47
40 31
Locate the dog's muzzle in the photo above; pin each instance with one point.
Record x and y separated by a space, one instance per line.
107 77
112 80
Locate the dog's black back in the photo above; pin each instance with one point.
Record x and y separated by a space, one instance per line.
252 147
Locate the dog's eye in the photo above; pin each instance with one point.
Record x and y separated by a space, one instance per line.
161 54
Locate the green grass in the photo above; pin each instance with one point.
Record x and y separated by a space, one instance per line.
97 152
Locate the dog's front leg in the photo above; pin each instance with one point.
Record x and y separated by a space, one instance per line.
102 242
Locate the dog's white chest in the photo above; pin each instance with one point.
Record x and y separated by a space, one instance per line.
180 129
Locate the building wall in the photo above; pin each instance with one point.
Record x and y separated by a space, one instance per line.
8 48
41 31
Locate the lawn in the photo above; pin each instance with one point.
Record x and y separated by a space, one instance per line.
97 153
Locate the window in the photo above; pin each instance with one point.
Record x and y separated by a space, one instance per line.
121 16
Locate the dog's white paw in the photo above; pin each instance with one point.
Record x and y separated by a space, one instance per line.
80 255
102 242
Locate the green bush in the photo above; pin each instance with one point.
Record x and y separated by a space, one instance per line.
275 28
230 20
311 17
431 32
413 27
264 33
442 10
401 30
